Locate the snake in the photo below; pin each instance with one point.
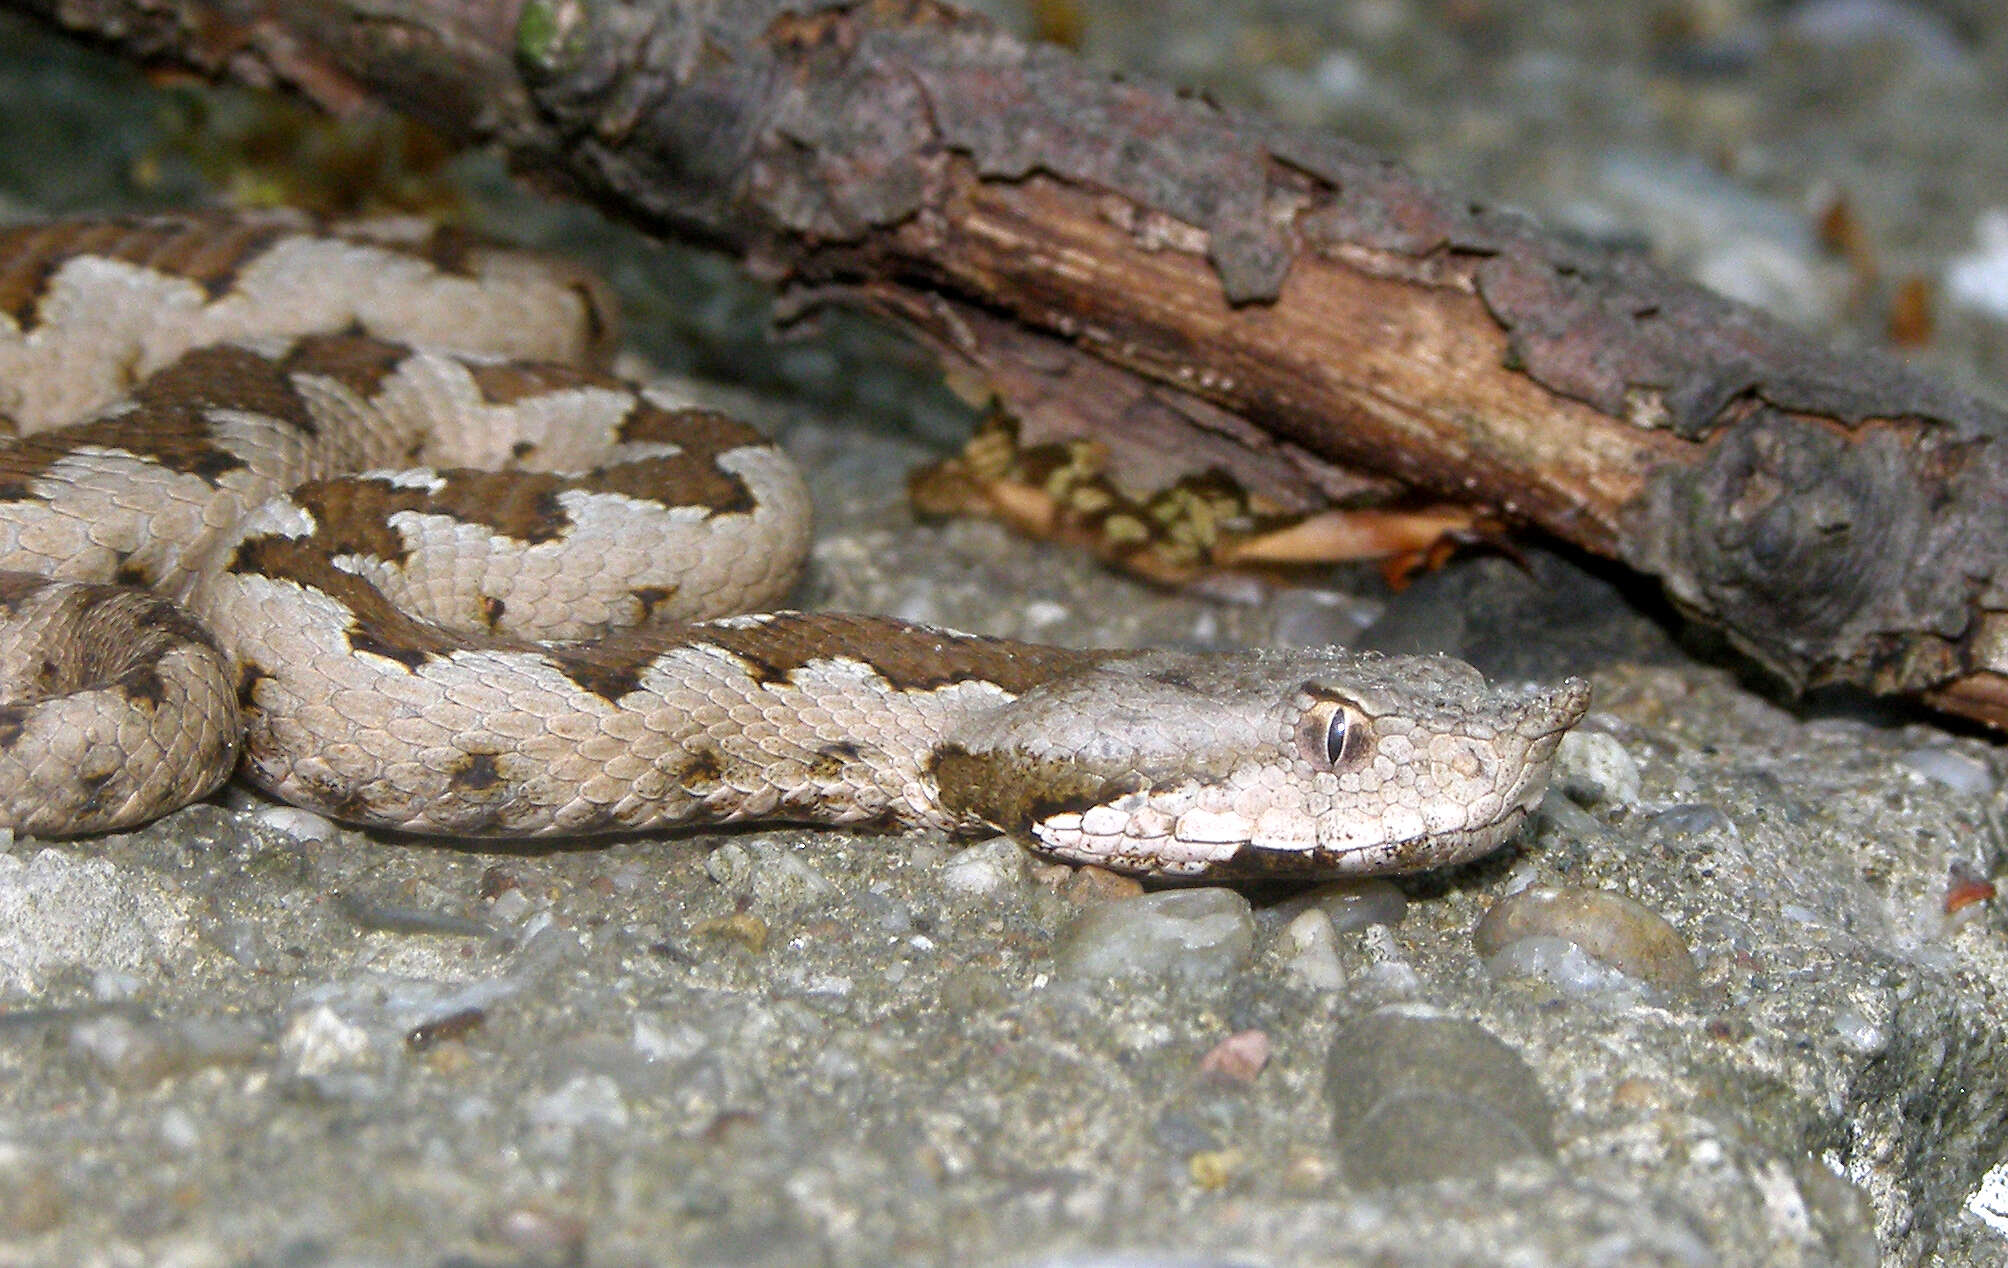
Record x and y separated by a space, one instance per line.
359 513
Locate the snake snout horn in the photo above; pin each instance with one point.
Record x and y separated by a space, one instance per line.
1547 715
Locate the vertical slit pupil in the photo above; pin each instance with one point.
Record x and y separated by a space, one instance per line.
1337 731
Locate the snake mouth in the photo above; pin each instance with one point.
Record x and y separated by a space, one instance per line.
1251 860
1412 854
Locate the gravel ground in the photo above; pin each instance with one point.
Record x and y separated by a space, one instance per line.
1714 1010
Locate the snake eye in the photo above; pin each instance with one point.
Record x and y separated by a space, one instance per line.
1332 734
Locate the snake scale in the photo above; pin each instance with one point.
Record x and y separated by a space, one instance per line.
255 516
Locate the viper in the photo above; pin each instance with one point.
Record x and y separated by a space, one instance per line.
356 512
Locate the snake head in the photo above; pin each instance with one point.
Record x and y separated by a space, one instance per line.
1260 763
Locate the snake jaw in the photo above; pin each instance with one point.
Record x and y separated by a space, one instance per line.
1431 768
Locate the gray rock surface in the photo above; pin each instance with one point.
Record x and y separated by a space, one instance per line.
237 1037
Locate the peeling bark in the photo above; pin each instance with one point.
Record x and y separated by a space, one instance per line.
1273 304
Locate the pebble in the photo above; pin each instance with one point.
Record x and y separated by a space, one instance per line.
1566 967
1239 1058
784 879
1615 932
178 1130
1594 769
1956 771
319 1041
1192 935
1417 1095
1213 1169
1091 884
1978 280
1693 819
510 908
1356 903
1388 972
303 826
773 874
741 928
987 869
1858 1033
1313 947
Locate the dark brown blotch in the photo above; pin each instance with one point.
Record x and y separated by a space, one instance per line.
909 657
92 803
143 685
607 669
249 674
338 799
520 505
1173 676
15 587
652 597
358 361
177 438
173 622
830 761
701 770
448 248
368 641
1011 792
209 251
128 573
474 772
378 627
506 382
104 614
222 376
352 514
702 437
33 255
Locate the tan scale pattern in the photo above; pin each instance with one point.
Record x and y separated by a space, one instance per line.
421 643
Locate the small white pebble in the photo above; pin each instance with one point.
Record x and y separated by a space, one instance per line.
1563 965
730 866
1389 973
1593 768
302 825
785 879
509 907
1957 771
178 1130
1044 614
110 987
1314 952
1193 935
321 1041
990 867
1859 1033
1979 279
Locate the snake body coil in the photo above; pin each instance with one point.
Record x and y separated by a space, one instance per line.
253 506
